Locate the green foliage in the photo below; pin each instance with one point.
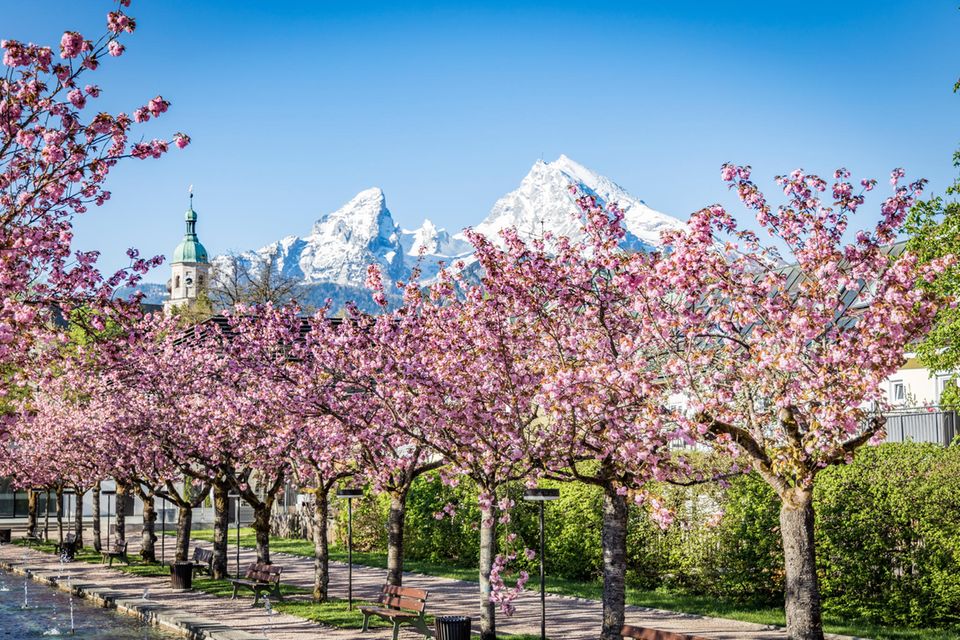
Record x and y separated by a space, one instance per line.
888 535
934 227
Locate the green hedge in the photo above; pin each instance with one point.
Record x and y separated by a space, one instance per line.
888 535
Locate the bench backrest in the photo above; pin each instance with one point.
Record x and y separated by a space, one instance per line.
119 546
642 633
403 598
202 556
264 572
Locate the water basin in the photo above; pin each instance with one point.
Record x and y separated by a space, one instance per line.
48 615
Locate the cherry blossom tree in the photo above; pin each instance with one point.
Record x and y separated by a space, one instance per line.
56 150
607 420
781 366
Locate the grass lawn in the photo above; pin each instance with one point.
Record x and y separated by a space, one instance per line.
659 598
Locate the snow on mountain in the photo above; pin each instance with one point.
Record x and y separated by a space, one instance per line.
428 246
333 257
543 202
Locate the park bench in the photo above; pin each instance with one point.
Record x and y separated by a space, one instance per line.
202 560
642 633
399 605
119 550
33 538
260 577
68 547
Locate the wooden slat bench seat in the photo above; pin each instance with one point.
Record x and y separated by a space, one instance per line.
260 577
32 539
119 550
202 560
399 605
642 633
68 547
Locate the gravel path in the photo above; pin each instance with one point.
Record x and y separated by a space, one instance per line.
567 617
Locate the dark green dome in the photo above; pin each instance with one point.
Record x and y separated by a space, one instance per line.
190 249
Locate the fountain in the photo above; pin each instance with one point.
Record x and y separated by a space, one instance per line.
73 627
41 618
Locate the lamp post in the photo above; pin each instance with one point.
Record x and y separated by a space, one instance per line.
109 493
350 494
67 493
542 496
163 531
237 518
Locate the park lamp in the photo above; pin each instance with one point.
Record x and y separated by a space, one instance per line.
349 495
542 496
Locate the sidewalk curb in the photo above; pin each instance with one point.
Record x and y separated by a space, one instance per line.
156 615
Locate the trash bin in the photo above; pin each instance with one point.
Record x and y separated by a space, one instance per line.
181 576
5 536
453 628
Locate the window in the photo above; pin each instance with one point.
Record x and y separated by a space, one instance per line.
176 282
898 391
943 380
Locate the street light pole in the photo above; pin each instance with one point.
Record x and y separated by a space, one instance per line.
542 496
163 531
350 494
237 518
109 495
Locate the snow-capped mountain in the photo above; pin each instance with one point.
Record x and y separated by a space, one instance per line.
334 255
543 202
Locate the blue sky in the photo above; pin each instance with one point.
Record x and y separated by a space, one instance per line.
296 106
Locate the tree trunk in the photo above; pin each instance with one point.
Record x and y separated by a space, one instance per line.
78 516
121 512
60 515
395 519
221 525
32 500
148 537
95 514
614 541
488 549
321 551
184 522
261 526
802 595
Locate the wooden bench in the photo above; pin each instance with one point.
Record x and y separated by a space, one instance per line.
642 633
32 539
202 560
119 550
400 605
260 577
68 547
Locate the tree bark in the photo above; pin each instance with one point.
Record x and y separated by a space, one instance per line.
95 514
614 542
78 516
261 526
32 507
184 523
148 537
321 551
488 549
395 520
802 595
121 510
221 526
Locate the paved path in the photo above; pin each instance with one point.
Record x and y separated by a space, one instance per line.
568 618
